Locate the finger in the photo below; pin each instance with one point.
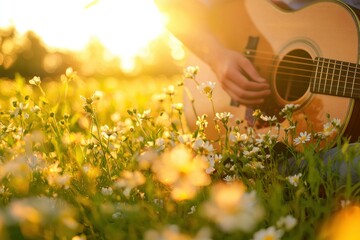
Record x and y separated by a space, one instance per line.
244 101
248 68
244 93
241 81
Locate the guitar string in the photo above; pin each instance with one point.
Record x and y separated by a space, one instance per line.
326 79
292 56
332 71
338 87
272 57
323 81
339 91
335 72
303 74
354 85
324 88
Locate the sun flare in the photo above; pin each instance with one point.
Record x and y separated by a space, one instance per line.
124 27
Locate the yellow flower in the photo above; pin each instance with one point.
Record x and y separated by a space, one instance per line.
97 95
232 208
224 116
170 90
38 213
146 158
159 97
91 171
177 106
182 171
287 223
35 81
257 113
19 174
69 72
201 122
207 88
344 225
173 232
268 118
270 233
61 181
331 127
129 180
190 72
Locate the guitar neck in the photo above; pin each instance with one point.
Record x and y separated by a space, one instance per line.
335 78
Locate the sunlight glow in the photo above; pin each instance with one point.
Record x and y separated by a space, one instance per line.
124 27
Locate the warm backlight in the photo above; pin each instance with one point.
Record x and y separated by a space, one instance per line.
125 27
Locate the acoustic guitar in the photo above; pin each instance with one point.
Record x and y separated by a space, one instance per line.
310 57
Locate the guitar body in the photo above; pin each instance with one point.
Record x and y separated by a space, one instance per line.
327 29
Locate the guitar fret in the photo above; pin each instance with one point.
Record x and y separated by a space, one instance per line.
326 75
337 74
353 83
348 82
355 88
320 77
316 74
332 74
339 77
346 77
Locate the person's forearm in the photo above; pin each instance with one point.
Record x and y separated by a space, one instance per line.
189 22
204 45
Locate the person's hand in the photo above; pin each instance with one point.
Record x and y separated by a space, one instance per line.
239 78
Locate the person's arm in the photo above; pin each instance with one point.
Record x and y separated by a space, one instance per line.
188 21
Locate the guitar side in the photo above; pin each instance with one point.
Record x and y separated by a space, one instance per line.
326 29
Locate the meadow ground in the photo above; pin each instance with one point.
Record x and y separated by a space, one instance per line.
113 159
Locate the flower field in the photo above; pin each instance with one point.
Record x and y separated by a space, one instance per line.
114 159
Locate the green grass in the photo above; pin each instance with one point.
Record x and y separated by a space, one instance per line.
106 159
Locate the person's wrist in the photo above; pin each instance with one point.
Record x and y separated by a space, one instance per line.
214 54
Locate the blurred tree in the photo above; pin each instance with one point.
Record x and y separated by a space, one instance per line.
29 56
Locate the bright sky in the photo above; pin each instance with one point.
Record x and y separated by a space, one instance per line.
123 26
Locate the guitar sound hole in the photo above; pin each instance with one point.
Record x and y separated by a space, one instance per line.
293 75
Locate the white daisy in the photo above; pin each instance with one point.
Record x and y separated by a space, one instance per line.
303 138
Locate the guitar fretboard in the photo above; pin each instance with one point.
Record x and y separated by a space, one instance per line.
335 78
